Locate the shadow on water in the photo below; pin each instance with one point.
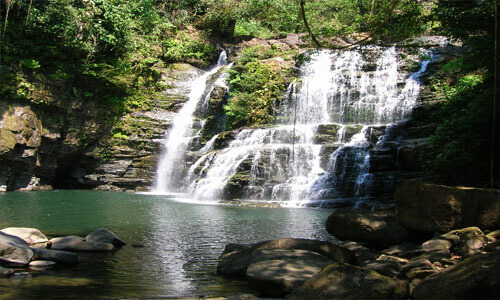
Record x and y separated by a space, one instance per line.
182 243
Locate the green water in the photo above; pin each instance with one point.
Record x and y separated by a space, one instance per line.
182 243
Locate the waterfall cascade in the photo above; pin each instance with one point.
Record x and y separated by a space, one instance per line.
328 127
169 174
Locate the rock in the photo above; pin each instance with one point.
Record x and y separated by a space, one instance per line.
378 228
344 281
470 243
55 255
399 260
437 208
4 272
492 247
437 244
31 236
434 255
419 269
277 272
477 277
41 264
384 267
242 297
494 234
75 243
14 251
236 258
104 236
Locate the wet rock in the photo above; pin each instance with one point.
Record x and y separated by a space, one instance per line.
31 236
236 258
477 277
242 297
419 269
378 228
55 255
437 208
277 272
104 236
14 251
75 243
344 281
42 264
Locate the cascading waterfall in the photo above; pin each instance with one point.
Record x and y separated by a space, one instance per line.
320 147
178 138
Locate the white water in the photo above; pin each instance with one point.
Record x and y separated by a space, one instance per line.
178 137
284 163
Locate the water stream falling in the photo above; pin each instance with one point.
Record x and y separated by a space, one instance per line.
178 137
320 147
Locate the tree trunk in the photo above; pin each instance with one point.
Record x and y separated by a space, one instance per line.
303 13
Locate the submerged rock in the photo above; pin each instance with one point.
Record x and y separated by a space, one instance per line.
378 228
344 281
437 208
4 272
76 243
104 236
31 236
477 277
14 251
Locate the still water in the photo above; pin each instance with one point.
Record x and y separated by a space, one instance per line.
182 242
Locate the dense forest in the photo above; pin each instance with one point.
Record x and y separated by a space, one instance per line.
109 51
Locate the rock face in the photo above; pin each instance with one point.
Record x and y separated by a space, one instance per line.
344 281
14 251
475 278
50 141
104 236
437 208
378 228
31 236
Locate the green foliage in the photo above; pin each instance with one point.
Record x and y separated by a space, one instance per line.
461 143
255 86
184 48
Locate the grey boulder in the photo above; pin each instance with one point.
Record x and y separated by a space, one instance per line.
14 251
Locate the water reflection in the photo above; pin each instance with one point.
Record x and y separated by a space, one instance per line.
182 243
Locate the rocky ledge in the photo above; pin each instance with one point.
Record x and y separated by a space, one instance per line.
22 248
386 254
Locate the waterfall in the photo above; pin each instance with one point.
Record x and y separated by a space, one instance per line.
178 138
330 122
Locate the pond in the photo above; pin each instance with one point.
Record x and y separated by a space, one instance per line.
182 242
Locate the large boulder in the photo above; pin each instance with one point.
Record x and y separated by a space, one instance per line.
104 236
55 255
276 272
236 258
31 236
14 251
344 281
378 228
438 208
76 243
477 277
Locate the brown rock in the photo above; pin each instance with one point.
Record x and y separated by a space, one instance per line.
437 208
